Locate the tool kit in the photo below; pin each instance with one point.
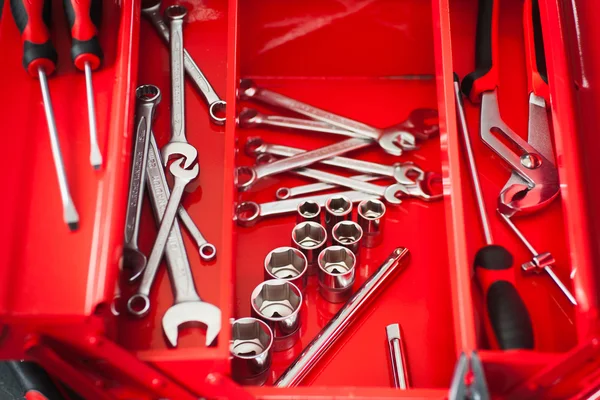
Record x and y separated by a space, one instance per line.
300 199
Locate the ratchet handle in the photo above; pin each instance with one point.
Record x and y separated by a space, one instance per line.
508 319
33 20
84 19
537 74
485 76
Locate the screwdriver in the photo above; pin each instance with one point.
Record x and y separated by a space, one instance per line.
84 19
39 58
509 321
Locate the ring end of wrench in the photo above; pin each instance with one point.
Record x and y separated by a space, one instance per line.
208 251
246 89
247 213
248 178
175 12
217 108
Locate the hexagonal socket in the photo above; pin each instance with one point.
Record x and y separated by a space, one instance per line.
250 348
278 304
337 266
310 238
337 208
288 264
371 218
309 211
347 234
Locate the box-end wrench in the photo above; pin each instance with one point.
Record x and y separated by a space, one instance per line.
178 144
284 193
404 173
147 99
249 213
390 139
216 106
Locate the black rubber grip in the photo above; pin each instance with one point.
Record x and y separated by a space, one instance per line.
32 52
483 46
538 38
84 44
493 257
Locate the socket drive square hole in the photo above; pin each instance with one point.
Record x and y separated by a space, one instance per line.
337 260
285 263
309 235
371 209
338 205
250 337
347 232
309 209
276 299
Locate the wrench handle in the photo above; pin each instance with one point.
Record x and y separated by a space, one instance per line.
177 83
535 55
508 323
84 19
485 76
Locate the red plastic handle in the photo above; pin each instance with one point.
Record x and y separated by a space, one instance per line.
534 50
33 20
485 76
84 19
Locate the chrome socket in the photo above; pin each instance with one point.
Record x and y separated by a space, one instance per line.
288 264
278 303
250 348
347 234
337 267
310 238
371 218
337 208
309 211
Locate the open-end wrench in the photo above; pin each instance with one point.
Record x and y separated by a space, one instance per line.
157 181
404 173
178 144
390 139
249 213
284 193
147 98
216 106
182 178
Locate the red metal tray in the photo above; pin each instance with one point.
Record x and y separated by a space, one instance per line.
373 61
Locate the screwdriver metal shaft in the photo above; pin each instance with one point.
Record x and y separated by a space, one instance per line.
95 154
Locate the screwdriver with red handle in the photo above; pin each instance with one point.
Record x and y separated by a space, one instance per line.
39 59
84 19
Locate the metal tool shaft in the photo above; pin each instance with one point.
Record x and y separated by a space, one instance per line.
95 154
315 350
397 359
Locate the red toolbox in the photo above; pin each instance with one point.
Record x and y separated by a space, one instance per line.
371 60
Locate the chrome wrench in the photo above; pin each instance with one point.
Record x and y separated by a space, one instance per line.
147 99
216 106
249 213
178 144
391 139
284 193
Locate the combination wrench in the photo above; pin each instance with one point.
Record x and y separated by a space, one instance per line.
390 139
249 213
216 106
178 144
147 99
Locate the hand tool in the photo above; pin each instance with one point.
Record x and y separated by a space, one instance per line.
178 144
156 177
336 273
84 19
216 106
308 211
39 58
370 217
182 178
338 208
509 321
147 99
541 261
391 140
310 238
284 193
347 234
397 359
278 303
326 338
32 381
249 213
405 173
538 184
469 380
288 264
187 307
250 348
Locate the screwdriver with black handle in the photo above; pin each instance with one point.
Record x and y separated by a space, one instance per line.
84 20
39 59
508 322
